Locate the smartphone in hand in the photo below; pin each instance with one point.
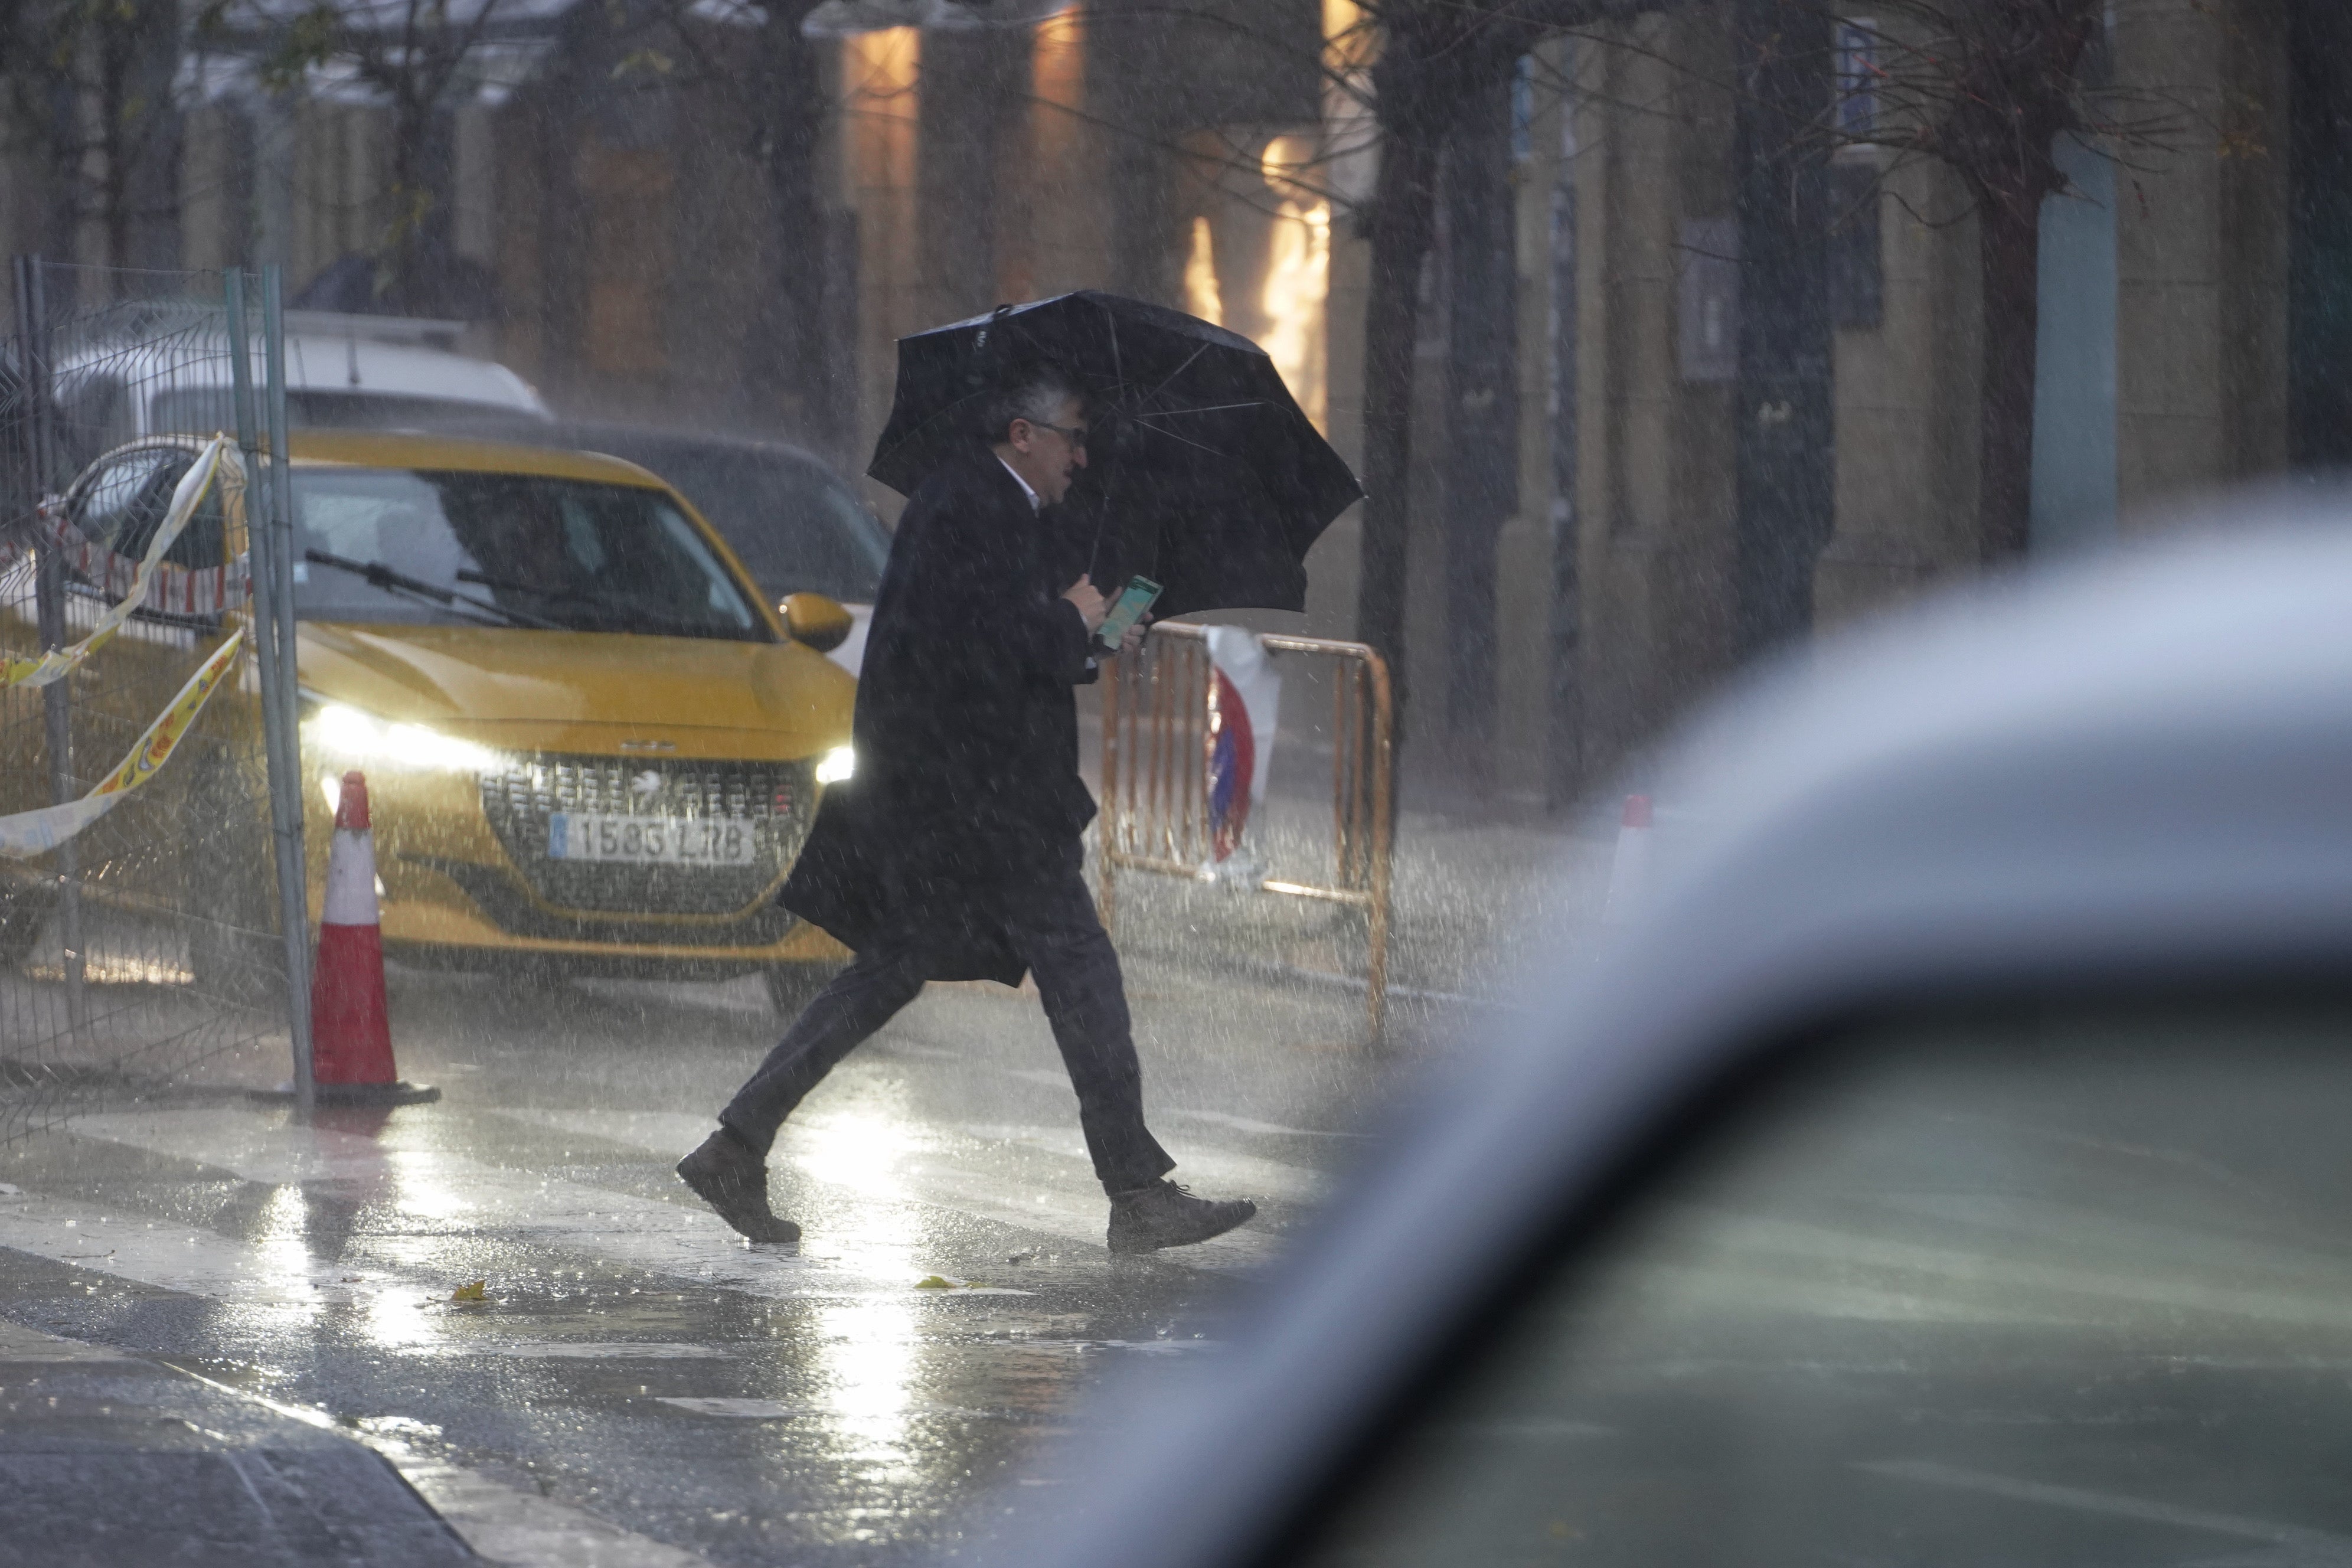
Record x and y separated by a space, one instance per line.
1133 600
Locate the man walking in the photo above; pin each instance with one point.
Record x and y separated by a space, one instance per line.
954 851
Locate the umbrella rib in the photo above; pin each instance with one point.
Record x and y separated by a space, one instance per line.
1213 408
1172 375
1118 378
1178 436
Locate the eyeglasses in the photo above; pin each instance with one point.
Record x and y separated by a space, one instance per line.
1076 435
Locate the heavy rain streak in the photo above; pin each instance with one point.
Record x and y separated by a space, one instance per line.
810 783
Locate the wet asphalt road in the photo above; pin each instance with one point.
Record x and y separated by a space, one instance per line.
1955 1321
634 1385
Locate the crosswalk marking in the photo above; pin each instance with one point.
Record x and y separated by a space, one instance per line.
1225 1119
20 1344
408 1204
1239 1174
777 1410
442 1194
807 1142
503 1525
2314 1546
1725 1261
2083 1233
600 1350
170 1257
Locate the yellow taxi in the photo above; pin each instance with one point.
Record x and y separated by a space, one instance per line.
590 745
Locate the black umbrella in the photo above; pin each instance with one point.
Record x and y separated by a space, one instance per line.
1201 472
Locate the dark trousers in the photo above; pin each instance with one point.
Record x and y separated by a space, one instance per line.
1055 931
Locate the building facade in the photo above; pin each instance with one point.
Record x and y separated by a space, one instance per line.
1213 156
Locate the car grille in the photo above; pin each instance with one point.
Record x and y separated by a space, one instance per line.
778 798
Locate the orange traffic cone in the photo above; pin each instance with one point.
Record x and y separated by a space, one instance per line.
1632 866
350 1029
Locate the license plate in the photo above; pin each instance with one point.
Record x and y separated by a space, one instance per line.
651 840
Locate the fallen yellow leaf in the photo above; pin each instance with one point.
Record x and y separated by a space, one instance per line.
477 1291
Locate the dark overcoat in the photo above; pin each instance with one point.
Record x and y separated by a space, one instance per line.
967 791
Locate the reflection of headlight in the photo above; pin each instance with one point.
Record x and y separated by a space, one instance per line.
346 732
838 765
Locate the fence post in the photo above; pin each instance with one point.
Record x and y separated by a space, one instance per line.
1107 813
49 606
273 617
1378 694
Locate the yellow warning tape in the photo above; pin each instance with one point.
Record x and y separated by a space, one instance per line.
59 663
30 833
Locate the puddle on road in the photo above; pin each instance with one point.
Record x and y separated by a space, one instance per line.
579 1350
777 1410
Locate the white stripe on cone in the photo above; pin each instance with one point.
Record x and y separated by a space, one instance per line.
350 879
1631 870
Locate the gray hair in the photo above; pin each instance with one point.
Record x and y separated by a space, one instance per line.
1035 394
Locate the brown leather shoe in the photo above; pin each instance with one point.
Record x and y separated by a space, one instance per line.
734 1181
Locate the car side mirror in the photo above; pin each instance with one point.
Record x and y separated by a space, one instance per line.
815 621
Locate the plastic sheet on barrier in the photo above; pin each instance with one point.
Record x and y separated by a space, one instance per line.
1244 710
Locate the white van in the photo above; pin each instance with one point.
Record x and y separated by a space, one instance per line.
344 371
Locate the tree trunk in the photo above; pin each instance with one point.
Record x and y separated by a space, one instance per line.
112 46
1564 775
561 241
1785 436
2319 266
1400 225
2009 109
154 178
814 395
1482 406
417 271
2009 243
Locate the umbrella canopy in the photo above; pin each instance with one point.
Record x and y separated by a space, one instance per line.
1202 474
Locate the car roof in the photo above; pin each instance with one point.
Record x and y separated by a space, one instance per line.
2133 772
598 435
401 449
363 368
332 363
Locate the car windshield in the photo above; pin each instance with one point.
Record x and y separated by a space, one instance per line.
527 549
795 527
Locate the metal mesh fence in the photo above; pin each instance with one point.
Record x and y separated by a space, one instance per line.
144 946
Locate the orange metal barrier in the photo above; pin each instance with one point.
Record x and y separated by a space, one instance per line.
1157 741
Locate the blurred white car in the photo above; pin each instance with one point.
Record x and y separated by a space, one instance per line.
341 371
1947 1166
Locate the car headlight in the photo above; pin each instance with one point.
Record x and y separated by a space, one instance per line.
838 765
339 730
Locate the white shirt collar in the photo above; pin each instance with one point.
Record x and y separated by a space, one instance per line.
1035 504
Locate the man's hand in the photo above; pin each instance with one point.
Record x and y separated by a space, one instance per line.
1092 605
1134 637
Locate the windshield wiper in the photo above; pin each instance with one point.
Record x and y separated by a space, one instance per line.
383 577
636 617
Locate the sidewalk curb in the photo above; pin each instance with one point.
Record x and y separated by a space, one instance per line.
262 1444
